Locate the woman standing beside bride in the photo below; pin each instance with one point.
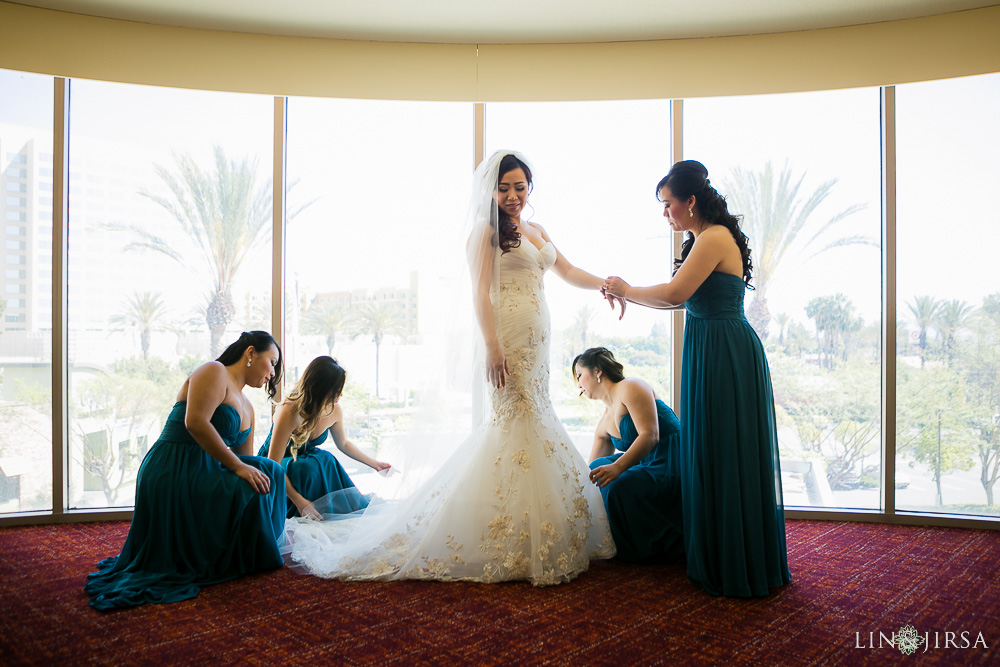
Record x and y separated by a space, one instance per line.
514 501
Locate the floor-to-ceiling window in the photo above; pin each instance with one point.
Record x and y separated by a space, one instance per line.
166 265
169 259
948 311
804 172
596 165
26 172
376 203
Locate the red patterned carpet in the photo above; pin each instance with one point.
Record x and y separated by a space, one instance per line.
851 582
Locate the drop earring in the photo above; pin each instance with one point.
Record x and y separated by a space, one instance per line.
249 362
598 379
690 213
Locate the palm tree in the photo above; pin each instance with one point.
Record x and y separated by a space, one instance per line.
782 319
952 316
225 213
324 318
584 316
925 311
145 312
774 215
379 320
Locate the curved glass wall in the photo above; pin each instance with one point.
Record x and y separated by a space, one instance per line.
948 311
26 172
169 260
376 192
804 172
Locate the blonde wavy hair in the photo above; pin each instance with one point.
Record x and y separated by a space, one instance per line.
320 385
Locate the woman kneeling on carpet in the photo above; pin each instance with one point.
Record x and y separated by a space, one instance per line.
205 510
641 483
301 425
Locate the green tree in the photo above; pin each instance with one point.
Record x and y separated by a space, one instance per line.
983 387
952 316
116 408
782 320
934 421
925 310
325 318
581 325
774 216
836 415
378 320
835 322
145 312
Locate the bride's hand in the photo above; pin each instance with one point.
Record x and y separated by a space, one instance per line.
615 287
496 367
615 299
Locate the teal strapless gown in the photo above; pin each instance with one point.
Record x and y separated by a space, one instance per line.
316 473
734 520
195 522
644 503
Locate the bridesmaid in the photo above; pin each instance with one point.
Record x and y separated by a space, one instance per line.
301 424
640 483
205 510
734 519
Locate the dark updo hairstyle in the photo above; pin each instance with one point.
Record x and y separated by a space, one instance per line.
320 385
509 236
599 359
690 177
259 340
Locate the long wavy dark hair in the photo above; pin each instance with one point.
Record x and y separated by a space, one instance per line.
690 177
509 236
260 340
601 359
320 385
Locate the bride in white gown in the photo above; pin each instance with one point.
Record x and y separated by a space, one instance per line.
514 501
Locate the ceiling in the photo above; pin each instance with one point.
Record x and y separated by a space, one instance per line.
509 21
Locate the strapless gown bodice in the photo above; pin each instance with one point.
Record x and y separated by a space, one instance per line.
720 297
225 419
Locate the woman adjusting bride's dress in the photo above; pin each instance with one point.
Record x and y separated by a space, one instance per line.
514 501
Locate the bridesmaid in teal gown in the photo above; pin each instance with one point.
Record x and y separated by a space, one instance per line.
205 510
301 424
641 483
734 522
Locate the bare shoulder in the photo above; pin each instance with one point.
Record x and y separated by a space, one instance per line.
540 230
285 413
636 387
208 380
327 419
209 370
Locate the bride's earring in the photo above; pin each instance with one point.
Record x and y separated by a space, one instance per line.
598 379
249 361
690 213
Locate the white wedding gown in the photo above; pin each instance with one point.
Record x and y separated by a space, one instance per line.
513 502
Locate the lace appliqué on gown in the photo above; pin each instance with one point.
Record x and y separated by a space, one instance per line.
513 503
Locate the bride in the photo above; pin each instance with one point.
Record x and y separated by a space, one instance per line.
514 501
